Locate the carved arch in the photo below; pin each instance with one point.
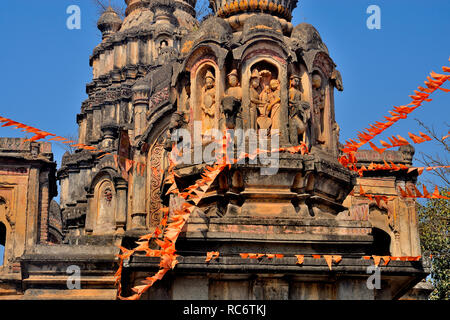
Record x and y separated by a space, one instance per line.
103 202
381 223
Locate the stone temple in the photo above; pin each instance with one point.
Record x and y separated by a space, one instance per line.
245 67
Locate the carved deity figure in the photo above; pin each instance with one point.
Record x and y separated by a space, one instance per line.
319 107
231 103
234 87
255 102
298 111
273 104
208 102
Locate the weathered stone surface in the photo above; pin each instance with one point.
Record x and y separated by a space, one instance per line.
246 68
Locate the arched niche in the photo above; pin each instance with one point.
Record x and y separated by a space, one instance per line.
384 238
105 207
205 96
265 59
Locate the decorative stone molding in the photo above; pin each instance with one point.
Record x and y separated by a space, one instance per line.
281 8
109 23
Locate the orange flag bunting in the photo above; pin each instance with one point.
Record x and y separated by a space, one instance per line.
376 260
337 259
329 260
300 258
212 255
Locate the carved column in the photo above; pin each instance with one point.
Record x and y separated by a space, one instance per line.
110 133
44 201
121 208
141 91
91 213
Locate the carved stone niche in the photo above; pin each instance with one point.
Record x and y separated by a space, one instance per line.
107 198
265 92
206 89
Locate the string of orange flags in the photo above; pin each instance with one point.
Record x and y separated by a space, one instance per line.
394 167
434 82
400 141
330 259
407 193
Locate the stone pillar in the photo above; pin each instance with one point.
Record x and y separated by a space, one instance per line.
141 92
91 213
44 201
121 208
32 209
110 134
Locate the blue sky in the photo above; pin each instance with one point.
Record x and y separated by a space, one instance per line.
45 66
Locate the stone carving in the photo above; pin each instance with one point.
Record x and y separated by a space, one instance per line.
230 108
176 122
108 195
255 102
336 78
234 87
319 107
266 103
157 154
231 103
272 100
299 111
208 102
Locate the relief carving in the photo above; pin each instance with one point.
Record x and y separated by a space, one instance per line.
299 111
231 103
255 102
234 87
319 107
157 154
208 102
272 103
265 102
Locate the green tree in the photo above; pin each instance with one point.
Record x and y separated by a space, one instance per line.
434 226
434 220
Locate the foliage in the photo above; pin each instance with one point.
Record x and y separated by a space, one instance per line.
434 220
434 228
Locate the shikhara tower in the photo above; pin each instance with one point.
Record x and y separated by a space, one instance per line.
246 67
